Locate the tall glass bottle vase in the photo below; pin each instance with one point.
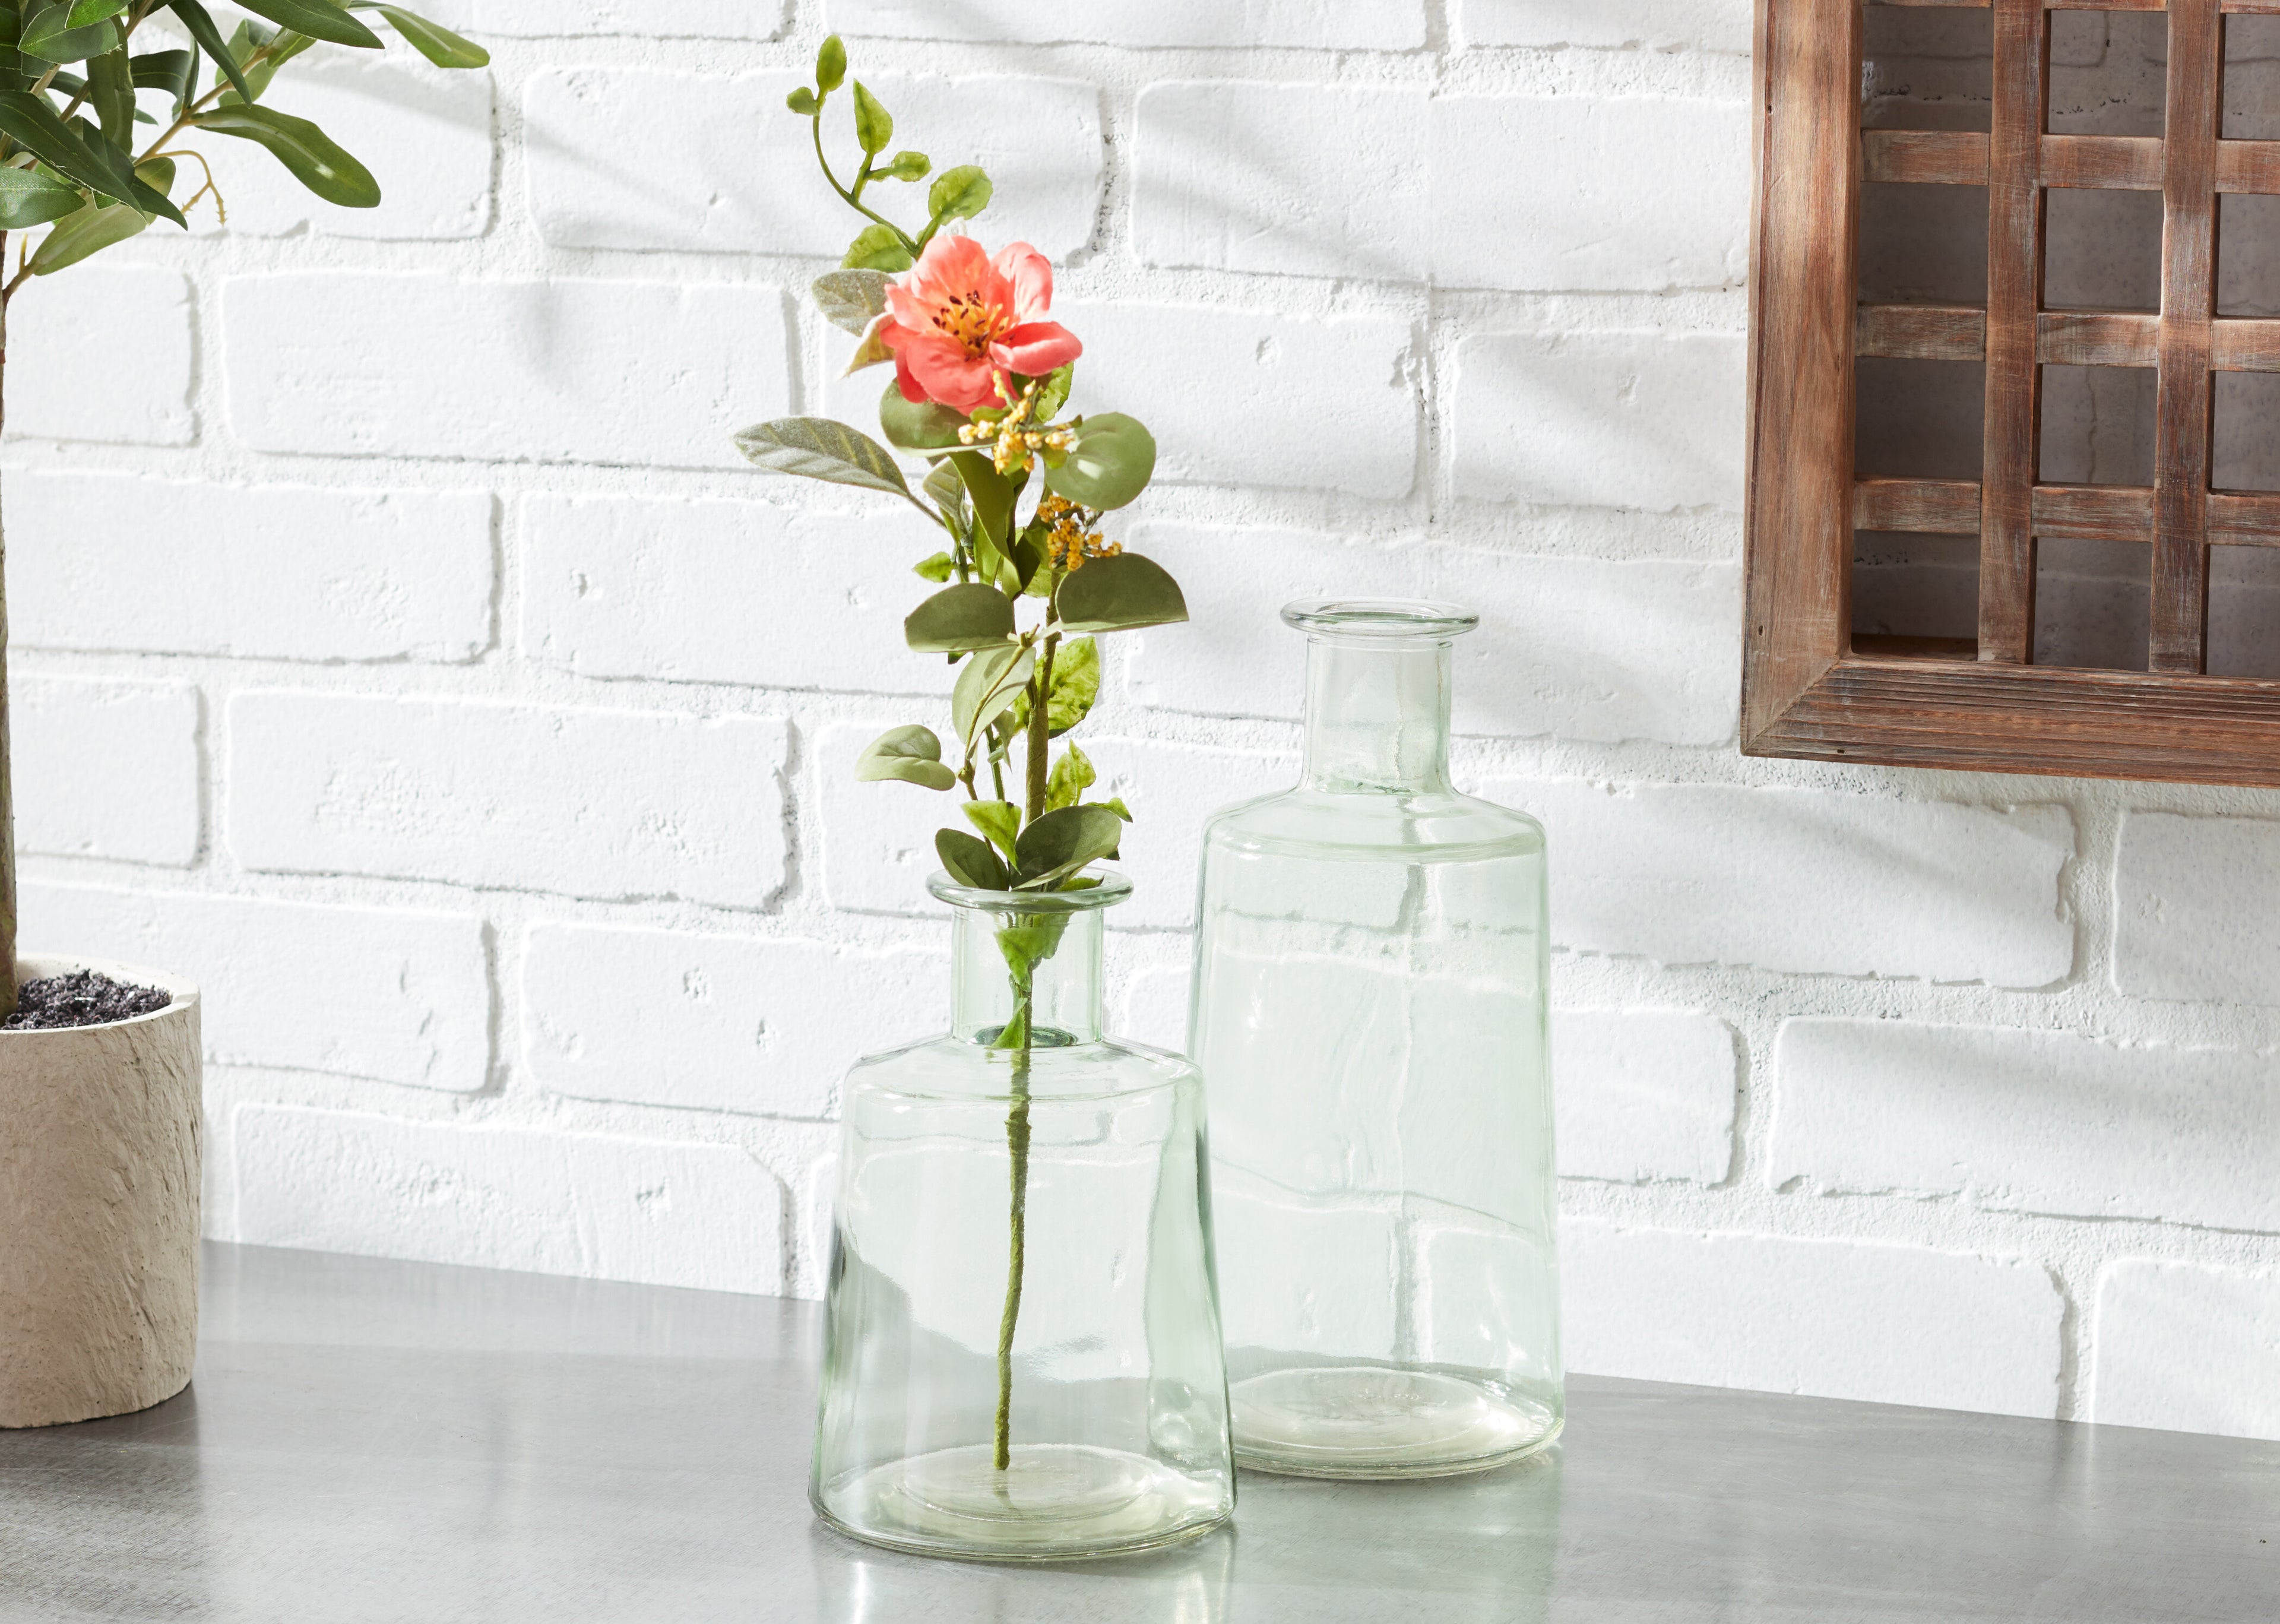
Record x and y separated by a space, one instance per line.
1369 1010
1022 1353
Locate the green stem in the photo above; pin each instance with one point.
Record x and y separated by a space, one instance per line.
815 126
1040 735
1017 1147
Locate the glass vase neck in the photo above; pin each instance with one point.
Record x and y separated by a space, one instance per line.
1378 678
1043 952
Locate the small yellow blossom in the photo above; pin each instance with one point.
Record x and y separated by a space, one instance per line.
1067 542
1014 440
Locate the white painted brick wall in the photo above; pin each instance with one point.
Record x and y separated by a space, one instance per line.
402 649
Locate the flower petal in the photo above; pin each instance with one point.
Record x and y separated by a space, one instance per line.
1035 349
947 373
1030 275
949 269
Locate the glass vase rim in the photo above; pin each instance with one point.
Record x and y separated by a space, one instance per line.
1380 620
1113 888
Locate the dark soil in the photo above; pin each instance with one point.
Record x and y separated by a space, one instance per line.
81 999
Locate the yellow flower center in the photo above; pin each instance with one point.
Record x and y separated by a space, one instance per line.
970 322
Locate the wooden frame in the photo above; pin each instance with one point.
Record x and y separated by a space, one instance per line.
1810 688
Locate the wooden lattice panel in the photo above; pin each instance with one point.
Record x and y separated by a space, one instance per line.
1810 688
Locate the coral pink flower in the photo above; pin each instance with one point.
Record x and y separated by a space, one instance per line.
960 318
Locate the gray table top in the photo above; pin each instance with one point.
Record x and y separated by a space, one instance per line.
368 1440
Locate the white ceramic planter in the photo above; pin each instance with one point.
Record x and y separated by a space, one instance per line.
99 1167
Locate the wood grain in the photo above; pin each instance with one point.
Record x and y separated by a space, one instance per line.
2248 166
1952 507
2014 287
2094 513
2107 162
2185 397
1942 158
1920 332
2097 338
2244 346
2245 518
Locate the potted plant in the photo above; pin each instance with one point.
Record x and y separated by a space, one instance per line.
100 1063
1021 1350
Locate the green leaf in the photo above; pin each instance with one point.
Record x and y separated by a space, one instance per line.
434 40
319 20
1115 803
906 166
875 125
872 351
200 23
947 490
1025 947
86 12
937 569
111 92
89 231
1110 463
971 862
1055 394
1076 683
1071 777
958 193
158 173
29 198
876 248
994 494
830 65
803 102
1058 844
304 149
261 51
53 36
28 120
816 448
999 820
910 754
851 300
960 619
987 687
1117 594
919 426
171 70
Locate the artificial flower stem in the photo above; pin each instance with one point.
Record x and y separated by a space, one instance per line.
1017 1147
1040 735
815 128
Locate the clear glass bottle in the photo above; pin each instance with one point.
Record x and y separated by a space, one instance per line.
1022 1347
1368 1011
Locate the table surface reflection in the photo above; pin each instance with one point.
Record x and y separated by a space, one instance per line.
372 1440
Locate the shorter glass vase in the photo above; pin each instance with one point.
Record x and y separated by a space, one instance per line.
1021 1342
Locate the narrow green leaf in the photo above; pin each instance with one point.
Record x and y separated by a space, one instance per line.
816 448
921 426
111 92
971 862
1117 594
70 153
261 51
830 65
89 231
876 248
1111 462
1058 844
29 198
960 619
999 820
319 20
51 36
200 23
851 300
958 193
434 40
875 125
987 687
171 70
994 494
86 12
1072 775
910 754
315 161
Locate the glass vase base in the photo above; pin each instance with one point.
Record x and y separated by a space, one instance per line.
1380 1421
1054 1503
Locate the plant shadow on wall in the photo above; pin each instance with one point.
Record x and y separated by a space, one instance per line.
1025 581
79 154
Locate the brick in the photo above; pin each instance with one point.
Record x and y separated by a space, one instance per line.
1658 25
424 132
716 19
2030 1121
2197 906
646 159
1644 1094
2187 1347
1390 25
1357 432
634 372
612 804
717 1023
1648 421
103 353
107 770
1805 880
391 995
1298 211
1832 1319
879 838
99 561
601 1206
625 587
1638 193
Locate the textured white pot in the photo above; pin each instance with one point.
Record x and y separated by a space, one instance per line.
99 1165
